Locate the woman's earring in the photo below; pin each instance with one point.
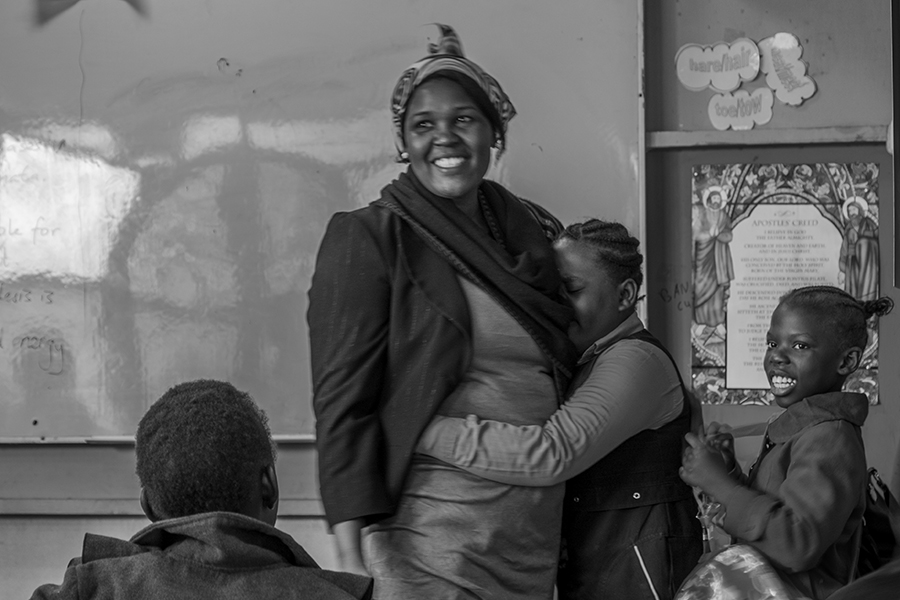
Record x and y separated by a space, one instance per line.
404 156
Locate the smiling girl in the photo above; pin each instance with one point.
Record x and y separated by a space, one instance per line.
802 503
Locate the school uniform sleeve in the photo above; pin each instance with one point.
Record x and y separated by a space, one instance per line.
67 590
348 324
633 386
797 521
49 591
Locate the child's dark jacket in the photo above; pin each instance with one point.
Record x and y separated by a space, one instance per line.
218 555
806 492
882 584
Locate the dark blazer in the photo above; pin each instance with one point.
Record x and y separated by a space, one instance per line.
389 340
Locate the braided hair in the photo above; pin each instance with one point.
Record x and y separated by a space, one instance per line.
200 448
839 311
614 249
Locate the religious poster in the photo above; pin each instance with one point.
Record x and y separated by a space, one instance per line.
758 231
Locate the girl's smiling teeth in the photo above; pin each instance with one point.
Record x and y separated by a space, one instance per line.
780 382
449 162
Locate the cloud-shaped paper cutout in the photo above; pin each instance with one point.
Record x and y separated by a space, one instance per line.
890 138
721 67
741 110
785 72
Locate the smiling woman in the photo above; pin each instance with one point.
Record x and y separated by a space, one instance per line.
441 297
449 142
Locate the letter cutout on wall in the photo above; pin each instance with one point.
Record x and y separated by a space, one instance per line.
785 72
890 138
721 67
741 110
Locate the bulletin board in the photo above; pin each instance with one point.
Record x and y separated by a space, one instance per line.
168 167
758 231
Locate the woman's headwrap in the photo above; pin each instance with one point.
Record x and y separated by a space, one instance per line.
446 55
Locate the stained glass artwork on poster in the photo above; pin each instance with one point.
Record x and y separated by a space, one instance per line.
758 231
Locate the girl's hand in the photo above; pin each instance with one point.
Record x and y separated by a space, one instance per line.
719 438
715 428
703 466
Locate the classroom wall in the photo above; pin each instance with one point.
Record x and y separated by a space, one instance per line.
575 79
167 177
212 140
847 47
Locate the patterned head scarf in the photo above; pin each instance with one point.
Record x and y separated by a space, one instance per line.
447 55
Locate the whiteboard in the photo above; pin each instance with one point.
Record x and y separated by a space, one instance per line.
166 176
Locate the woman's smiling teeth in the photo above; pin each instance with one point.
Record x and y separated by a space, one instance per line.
780 382
449 162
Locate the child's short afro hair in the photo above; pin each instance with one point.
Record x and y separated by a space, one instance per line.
201 448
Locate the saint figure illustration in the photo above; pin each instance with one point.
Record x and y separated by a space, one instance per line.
859 250
713 268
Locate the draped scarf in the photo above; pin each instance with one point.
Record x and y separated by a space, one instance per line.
519 273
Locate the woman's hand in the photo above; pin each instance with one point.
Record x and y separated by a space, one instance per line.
355 566
348 535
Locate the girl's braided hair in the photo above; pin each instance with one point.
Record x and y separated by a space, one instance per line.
839 311
615 250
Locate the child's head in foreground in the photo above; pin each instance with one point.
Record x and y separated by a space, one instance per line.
600 265
205 446
816 340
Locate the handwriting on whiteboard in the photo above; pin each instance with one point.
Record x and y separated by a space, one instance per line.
13 295
50 351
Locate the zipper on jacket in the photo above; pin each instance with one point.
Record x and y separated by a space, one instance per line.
644 569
